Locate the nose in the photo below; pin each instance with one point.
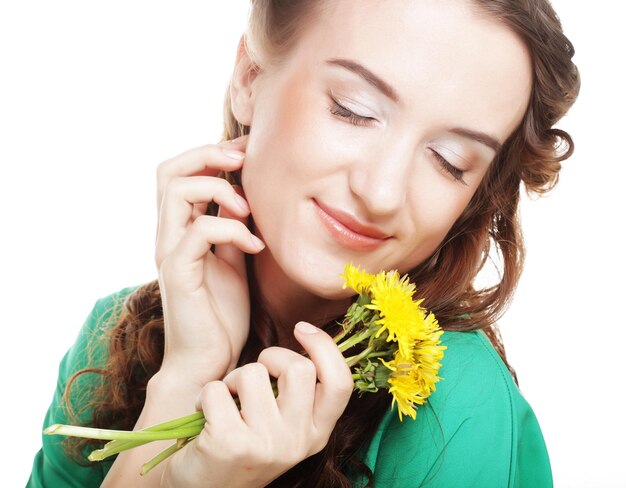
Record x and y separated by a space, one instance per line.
381 179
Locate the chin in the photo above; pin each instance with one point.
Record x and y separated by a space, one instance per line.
325 290
320 277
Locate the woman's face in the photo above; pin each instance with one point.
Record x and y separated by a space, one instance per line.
426 81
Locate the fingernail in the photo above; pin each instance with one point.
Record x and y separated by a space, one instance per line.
241 202
256 242
306 328
238 155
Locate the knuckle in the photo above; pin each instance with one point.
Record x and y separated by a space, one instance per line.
213 391
222 185
255 370
164 170
239 226
213 388
202 223
174 187
303 369
161 170
267 352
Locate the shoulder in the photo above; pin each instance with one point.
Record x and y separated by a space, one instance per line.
109 306
89 346
52 465
469 431
474 378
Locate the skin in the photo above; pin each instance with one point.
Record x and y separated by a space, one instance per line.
450 68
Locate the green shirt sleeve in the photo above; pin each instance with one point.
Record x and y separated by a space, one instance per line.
52 468
476 430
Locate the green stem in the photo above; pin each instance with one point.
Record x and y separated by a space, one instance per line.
112 448
187 428
131 440
173 424
116 446
377 354
370 355
164 454
343 333
355 339
355 359
138 435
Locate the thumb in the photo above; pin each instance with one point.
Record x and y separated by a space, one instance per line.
335 378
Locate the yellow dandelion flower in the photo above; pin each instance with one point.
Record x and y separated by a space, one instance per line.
357 279
414 376
385 303
402 317
403 386
429 328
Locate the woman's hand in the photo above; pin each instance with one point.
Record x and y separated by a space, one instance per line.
206 304
252 447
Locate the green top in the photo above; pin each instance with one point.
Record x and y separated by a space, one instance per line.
491 435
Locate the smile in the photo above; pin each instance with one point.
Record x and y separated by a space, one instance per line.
343 234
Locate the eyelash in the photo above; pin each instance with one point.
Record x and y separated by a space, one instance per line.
456 173
359 120
344 113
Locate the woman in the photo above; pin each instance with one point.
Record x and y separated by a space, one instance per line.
391 134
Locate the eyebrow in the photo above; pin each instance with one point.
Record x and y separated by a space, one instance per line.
367 75
387 90
481 137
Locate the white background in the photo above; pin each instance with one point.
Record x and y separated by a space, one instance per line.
94 95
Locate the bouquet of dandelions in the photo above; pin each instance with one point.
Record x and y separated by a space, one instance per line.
399 349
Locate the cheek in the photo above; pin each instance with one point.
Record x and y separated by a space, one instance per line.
292 149
435 209
283 160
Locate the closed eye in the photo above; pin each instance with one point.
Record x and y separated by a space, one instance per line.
456 173
341 111
344 113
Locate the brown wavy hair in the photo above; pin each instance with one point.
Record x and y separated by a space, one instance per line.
488 229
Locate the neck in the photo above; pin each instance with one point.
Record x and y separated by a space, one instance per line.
289 303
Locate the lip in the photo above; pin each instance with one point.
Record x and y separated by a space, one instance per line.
348 231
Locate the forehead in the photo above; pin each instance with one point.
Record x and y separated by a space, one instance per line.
443 58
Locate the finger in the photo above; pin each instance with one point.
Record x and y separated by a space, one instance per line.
297 378
335 378
241 141
238 144
219 407
252 385
207 160
229 252
177 207
199 209
195 245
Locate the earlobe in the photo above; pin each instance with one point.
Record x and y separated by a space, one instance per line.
241 85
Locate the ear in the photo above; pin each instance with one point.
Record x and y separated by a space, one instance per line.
241 86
